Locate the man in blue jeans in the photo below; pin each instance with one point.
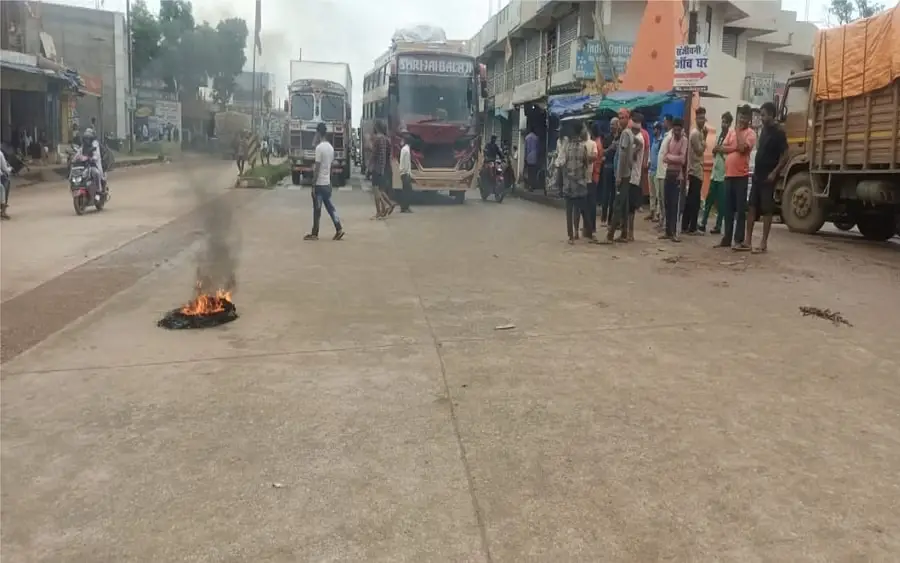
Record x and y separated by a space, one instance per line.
321 192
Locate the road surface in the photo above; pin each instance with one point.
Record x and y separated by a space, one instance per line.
649 402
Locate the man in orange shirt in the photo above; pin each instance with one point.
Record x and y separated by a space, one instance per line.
737 146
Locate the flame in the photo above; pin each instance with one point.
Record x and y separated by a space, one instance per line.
207 304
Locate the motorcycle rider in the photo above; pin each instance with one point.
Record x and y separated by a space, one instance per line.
90 148
492 149
5 173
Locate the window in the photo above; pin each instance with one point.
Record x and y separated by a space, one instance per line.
730 42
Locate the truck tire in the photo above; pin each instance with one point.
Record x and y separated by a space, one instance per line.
801 210
876 227
295 177
459 196
845 225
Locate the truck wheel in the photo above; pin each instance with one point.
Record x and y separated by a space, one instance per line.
459 196
876 227
801 210
295 177
845 225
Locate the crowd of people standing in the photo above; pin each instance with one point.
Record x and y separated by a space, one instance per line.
609 172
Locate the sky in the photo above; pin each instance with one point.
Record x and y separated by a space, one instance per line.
353 31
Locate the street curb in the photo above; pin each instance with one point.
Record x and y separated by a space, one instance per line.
539 197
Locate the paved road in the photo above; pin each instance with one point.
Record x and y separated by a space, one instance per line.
653 402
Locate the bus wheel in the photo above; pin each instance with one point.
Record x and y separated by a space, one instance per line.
800 208
459 196
295 177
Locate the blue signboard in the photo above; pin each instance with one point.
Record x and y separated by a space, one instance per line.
591 55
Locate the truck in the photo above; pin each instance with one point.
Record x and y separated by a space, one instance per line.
841 120
319 92
229 125
430 92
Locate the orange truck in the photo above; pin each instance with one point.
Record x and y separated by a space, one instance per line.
842 120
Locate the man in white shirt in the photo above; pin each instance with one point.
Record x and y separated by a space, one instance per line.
264 151
5 173
405 177
590 204
321 191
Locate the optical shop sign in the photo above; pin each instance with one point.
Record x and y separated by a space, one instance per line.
435 65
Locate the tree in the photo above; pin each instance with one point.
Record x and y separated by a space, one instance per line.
145 40
176 24
846 11
228 57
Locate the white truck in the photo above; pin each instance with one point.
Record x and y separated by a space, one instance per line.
320 92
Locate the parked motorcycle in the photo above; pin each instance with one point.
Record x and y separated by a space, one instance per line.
491 181
86 185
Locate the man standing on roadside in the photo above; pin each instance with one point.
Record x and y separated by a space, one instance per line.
716 194
608 174
590 202
574 167
405 170
321 192
625 161
661 168
697 150
638 172
737 147
674 156
771 158
532 149
655 144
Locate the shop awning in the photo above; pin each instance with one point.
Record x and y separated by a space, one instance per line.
578 104
26 68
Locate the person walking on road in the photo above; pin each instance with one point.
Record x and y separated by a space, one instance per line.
674 156
321 192
5 182
771 158
574 165
405 170
716 194
380 167
696 153
737 147
241 151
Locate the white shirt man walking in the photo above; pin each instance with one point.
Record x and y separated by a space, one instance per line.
321 192
405 177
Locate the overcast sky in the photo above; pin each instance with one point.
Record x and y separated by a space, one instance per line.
352 31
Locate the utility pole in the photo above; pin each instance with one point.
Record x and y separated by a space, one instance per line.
131 98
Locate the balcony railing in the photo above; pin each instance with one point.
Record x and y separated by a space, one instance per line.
531 69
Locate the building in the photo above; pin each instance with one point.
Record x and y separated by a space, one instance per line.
535 49
88 41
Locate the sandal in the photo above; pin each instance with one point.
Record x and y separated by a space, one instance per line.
311 237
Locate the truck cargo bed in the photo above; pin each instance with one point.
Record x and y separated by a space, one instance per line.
857 133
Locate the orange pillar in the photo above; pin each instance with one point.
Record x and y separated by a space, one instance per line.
652 64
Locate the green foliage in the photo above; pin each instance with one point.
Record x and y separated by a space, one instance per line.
145 39
174 48
229 57
271 173
846 11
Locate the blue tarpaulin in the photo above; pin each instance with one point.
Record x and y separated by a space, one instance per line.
576 104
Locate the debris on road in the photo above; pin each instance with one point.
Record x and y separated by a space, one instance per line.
505 327
278 485
827 314
673 259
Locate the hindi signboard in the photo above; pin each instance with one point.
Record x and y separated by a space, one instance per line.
691 68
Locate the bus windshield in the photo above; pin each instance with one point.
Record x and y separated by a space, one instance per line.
302 106
332 107
435 97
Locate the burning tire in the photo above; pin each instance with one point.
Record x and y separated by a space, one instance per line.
204 311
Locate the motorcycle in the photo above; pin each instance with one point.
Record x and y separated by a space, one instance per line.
86 185
491 181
